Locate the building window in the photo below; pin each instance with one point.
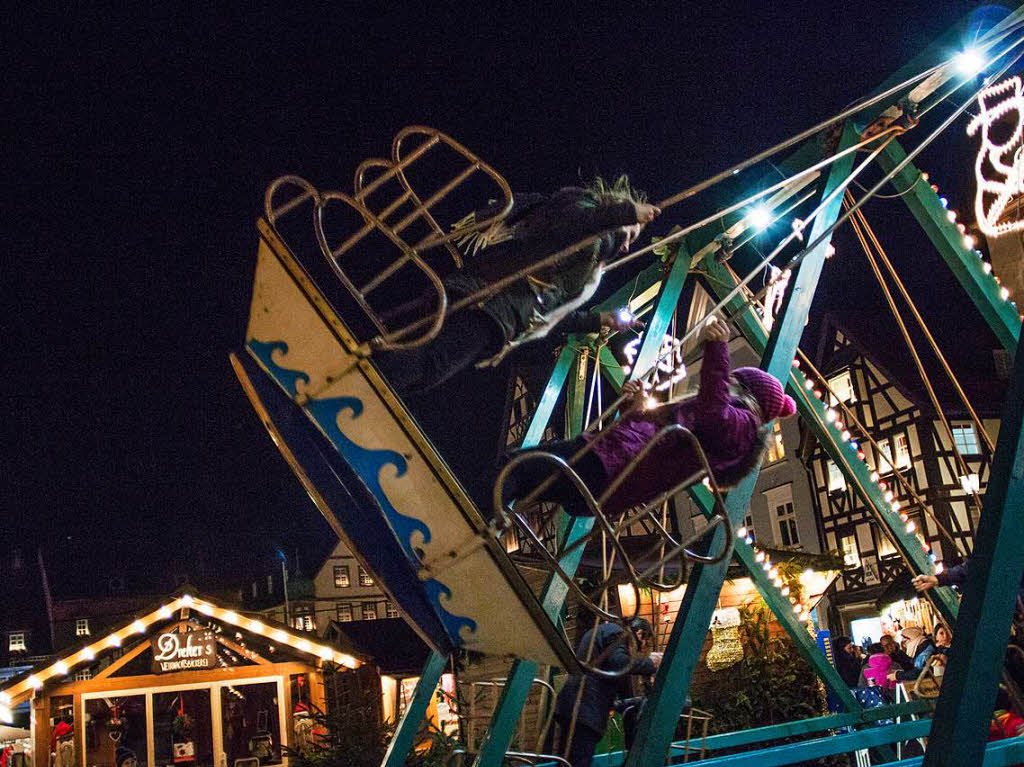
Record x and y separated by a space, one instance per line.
344 610
748 522
369 611
785 518
885 547
836 478
84 675
270 585
16 642
842 389
303 619
902 451
341 580
82 627
965 438
851 556
885 464
776 450
364 578
254 589
390 610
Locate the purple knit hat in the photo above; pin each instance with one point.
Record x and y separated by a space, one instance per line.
774 402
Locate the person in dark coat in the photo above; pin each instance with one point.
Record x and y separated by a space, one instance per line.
528 309
848 660
610 652
728 415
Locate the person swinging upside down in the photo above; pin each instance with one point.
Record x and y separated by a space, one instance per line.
538 226
729 416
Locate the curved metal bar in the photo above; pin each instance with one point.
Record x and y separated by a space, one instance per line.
385 340
440 237
310 193
523 757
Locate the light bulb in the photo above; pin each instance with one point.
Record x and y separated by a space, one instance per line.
911 527
60 667
830 250
749 540
943 202
830 415
741 532
650 403
1004 292
35 682
89 654
325 653
625 316
186 599
969 62
951 215
888 496
773 573
845 435
986 267
759 556
205 609
785 591
874 476
256 627
808 384
798 608
231 617
939 567
759 218
113 641
895 505
5 699
139 627
280 636
968 242
165 612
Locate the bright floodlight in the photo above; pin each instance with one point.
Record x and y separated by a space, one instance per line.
760 217
969 62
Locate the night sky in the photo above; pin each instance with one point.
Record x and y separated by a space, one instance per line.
142 147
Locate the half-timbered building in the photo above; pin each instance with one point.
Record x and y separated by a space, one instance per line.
913 455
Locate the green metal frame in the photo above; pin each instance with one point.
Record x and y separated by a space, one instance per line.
972 676
658 721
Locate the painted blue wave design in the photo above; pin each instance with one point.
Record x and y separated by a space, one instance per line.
285 377
454 623
367 464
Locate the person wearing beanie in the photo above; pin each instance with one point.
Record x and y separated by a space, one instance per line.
729 415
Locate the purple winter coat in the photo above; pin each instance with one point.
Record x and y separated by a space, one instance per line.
727 430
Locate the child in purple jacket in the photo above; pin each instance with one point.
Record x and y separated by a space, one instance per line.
727 415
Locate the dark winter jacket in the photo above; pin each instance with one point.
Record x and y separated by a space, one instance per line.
539 227
901 660
599 693
727 430
848 667
957 576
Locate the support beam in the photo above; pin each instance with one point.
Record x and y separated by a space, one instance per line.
1002 316
658 720
976 658
405 734
857 473
517 685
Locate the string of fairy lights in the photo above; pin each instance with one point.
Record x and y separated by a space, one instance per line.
65 665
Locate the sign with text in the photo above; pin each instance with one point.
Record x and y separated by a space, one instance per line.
190 651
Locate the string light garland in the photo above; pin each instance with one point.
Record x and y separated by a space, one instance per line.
63 666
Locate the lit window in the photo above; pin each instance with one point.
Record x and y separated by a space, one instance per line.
341 580
785 518
902 451
369 611
84 675
748 522
851 556
344 612
303 620
842 387
364 578
82 627
390 610
776 450
836 478
885 464
16 642
965 438
885 547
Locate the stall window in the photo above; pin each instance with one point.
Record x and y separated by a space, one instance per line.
82 627
115 732
341 580
182 728
252 724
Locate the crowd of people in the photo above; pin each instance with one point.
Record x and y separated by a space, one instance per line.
888 662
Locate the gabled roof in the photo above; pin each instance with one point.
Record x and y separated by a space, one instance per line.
160 614
972 361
